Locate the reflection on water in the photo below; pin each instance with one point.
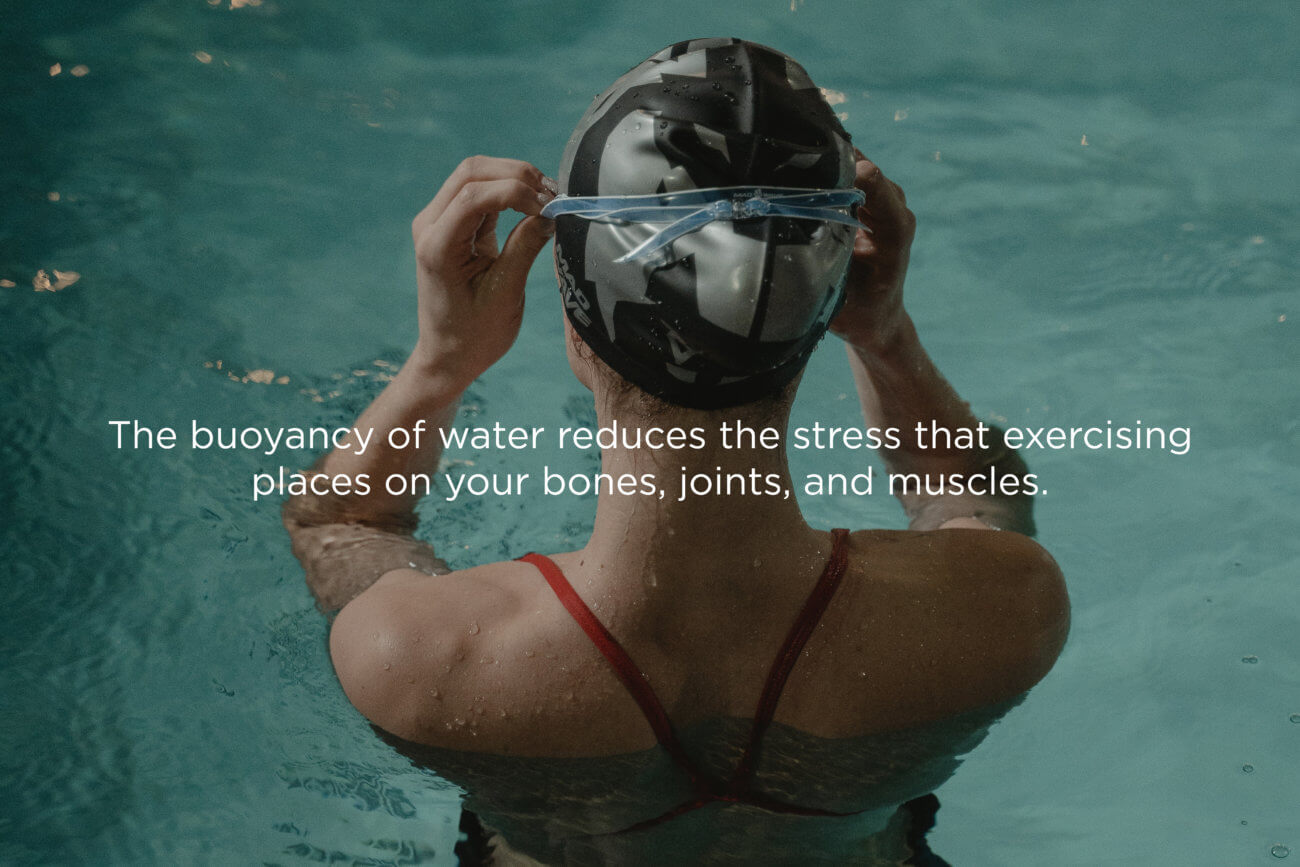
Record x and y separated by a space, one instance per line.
382 853
551 809
365 786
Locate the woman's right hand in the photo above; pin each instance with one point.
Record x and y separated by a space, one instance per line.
873 305
471 293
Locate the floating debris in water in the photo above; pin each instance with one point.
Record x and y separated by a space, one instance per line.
1295 718
833 97
1279 851
62 280
261 376
79 71
1250 659
1248 769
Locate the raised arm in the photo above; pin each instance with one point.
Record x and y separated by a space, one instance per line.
470 306
900 386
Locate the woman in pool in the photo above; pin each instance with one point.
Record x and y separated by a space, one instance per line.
709 678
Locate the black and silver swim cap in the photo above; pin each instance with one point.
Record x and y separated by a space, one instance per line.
731 307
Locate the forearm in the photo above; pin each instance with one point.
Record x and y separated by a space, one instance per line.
347 541
900 387
470 303
399 434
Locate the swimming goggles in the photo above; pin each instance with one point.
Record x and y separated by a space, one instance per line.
689 210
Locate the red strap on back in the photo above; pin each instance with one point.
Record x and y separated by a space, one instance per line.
795 639
631 676
636 684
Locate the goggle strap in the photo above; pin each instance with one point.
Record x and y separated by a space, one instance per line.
705 206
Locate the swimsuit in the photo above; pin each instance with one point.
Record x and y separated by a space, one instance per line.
740 788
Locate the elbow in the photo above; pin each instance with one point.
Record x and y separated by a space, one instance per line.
995 488
313 547
1015 508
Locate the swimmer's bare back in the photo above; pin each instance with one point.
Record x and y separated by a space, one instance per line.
961 611
924 625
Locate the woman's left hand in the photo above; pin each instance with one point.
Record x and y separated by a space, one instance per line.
471 294
873 306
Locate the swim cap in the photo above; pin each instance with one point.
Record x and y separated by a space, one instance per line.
750 168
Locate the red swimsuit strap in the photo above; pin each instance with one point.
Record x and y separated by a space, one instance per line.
811 614
631 676
635 681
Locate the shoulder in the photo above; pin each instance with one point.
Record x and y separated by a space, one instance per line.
1011 583
1003 573
402 648
990 607
991 562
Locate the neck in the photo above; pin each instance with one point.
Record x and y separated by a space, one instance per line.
727 505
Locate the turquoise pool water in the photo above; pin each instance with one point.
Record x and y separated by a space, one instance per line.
1106 195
